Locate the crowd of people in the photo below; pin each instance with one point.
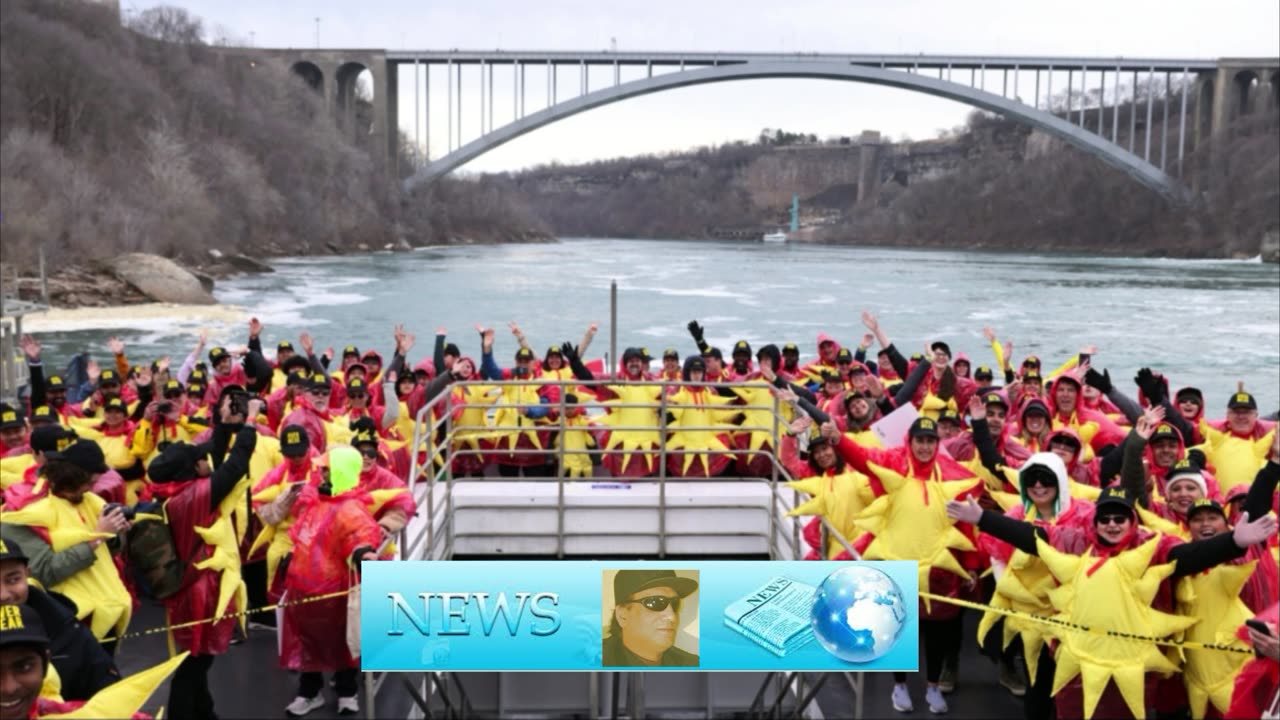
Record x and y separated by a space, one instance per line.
237 481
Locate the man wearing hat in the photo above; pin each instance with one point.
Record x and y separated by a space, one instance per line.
83 667
24 661
197 496
13 431
638 457
1237 445
741 369
521 442
18 473
393 503
645 620
670 364
273 499
311 411
789 370
51 391
983 377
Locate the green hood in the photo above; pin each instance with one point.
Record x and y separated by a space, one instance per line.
345 464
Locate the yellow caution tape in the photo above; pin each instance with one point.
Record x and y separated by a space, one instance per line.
250 611
1096 631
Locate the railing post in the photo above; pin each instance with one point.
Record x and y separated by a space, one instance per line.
613 327
560 485
662 472
773 479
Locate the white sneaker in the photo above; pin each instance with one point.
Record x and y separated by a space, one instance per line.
937 703
902 699
348 706
301 706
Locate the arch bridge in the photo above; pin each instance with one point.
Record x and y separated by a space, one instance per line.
1140 115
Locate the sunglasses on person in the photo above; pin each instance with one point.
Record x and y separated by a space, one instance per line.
173 395
1045 480
369 452
657 603
324 391
1188 401
1112 519
356 396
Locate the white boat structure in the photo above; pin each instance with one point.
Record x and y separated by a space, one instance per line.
780 236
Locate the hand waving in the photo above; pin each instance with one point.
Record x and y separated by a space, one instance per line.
30 347
1251 532
968 511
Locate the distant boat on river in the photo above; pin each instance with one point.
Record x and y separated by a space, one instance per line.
780 236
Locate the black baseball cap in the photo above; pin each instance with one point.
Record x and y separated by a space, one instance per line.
43 415
995 398
983 373
525 353
217 355
320 383
21 625
364 436
632 352
671 353
10 418
116 404
294 441
50 438
713 352
1031 376
844 355
108 377
357 385
923 427
296 362
949 415
1031 362
284 345
629 582
1163 431
11 552
1190 392
742 347
1242 401
939 345
452 349
1036 406
173 388
1205 504
84 454
55 383
350 350
1114 495
790 348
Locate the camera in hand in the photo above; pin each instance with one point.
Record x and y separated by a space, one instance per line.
129 513
239 404
164 408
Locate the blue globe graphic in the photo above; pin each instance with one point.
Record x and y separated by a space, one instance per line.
858 613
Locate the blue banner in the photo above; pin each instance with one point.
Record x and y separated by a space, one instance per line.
655 615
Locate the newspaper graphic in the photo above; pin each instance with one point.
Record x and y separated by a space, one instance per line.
774 616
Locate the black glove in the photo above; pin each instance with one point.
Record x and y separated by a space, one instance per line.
1150 385
1101 381
696 331
569 352
1196 455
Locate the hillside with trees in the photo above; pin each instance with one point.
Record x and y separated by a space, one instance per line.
991 183
146 138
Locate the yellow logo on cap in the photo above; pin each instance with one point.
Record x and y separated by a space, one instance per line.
64 443
1242 397
9 416
926 424
11 618
3 548
292 437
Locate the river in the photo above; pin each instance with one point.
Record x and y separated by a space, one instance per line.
1207 323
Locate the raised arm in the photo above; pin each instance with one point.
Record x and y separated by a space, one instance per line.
697 332
437 355
515 330
1101 381
1193 557
571 356
912 382
1258 502
35 370
1017 533
990 456
1133 472
587 337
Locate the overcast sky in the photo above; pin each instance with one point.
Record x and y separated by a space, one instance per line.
713 114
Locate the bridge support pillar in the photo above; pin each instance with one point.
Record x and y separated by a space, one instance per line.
869 168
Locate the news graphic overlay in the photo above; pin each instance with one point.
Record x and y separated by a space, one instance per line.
656 615
651 618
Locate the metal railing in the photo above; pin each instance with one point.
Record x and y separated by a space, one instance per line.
438 441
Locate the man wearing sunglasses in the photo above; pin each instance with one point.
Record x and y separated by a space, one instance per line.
646 620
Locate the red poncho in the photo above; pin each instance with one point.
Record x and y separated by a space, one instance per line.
188 508
326 534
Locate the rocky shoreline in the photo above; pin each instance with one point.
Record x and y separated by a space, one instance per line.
139 278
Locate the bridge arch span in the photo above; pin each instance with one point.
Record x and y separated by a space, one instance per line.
310 73
1110 153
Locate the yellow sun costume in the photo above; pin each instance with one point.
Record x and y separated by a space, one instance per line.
1213 597
910 523
700 420
576 436
839 499
1235 460
96 589
1115 595
631 440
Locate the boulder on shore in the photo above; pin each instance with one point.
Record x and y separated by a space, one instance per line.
244 263
160 279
